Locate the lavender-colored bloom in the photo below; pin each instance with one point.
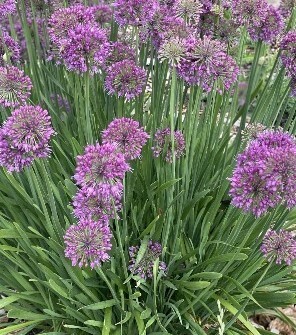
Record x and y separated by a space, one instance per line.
163 144
207 62
128 135
64 20
101 169
103 13
172 50
134 12
265 173
95 207
15 86
7 7
85 49
279 246
119 51
249 12
125 79
288 55
88 243
144 268
188 9
286 7
8 47
25 136
269 27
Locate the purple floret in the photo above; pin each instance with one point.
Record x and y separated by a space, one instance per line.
7 7
9 47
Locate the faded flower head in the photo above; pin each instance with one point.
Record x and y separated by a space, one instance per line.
288 55
163 144
15 86
88 243
85 49
188 9
134 12
172 50
95 207
125 79
265 173
129 136
9 48
252 130
144 268
100 170
279 246
7 7
25 136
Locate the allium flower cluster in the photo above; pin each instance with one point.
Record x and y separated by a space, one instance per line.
163 144
206 62
119 51
100 170
7 7
125 79
173 50
25 136
8 47
85 49
279 246
288 55
188 9
134 12
286 7
103 13
265 173
144 268
88 242
128 135
15 86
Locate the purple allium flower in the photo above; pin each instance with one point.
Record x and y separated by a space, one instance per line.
125 79
128 135
279 246
64 20
188 9
15 86
163 144
7 7
86 48
25 136
101 169
265 173
207 62
88 243
8 47
286 7
95 207
144 268
103 13
270 26
173 50
288 55
134 12
249 12
119 51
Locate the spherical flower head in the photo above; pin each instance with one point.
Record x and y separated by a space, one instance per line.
96 207
279 246
88 243
269 27
15 86
125 79
134 12
188 9
64 20
207 62
103 13
144 268
8 47
249 12
172 50
252 131
163 144
7 7
288 55
286 7
264 176
128 135
30 130
101 169
119 51
85 49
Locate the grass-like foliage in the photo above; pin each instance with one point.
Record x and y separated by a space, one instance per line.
147 149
